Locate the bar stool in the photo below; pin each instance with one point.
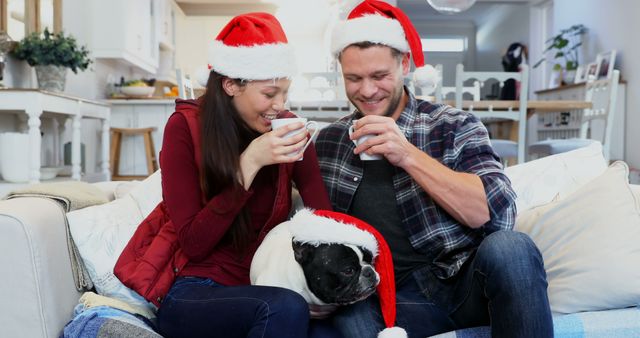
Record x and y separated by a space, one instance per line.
116 144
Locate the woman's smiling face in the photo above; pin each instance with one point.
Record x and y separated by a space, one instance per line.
259 102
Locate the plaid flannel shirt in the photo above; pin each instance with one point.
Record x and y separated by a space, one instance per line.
456 139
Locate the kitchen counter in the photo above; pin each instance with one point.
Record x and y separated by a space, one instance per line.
148 101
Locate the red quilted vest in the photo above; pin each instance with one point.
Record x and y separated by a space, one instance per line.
150 261
153 258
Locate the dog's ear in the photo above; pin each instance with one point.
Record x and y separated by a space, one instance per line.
302 252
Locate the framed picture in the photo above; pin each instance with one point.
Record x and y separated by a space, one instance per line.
606 61
581 74
592 70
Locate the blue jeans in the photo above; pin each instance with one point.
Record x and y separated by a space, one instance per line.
503 285
199 307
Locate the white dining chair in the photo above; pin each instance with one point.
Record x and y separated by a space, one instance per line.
473 91
602 94
441 92
504 148
185 86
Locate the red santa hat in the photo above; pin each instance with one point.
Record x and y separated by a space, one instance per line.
251 46
379 22
335 227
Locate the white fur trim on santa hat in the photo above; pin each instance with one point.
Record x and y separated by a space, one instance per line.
369 28
202 76
307 227
427 78
393 332
258 62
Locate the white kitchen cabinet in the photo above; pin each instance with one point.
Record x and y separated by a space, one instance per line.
139 114
561 125
166 23
168 15
125 30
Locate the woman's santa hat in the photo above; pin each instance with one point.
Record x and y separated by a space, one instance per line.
335 227
379 22
251 46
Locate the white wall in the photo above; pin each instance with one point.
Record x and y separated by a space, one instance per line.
612 24
194 35
504 25
444 29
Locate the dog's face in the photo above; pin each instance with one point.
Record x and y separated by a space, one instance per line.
337 273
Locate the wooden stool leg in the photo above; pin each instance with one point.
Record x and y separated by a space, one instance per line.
152 164
116 143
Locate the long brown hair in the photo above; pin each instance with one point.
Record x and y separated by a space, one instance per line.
224 136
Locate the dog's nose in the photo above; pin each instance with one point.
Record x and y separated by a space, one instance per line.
368 273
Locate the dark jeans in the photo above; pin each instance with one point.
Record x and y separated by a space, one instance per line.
504 285
199 307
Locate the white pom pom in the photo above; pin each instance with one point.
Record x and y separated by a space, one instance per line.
427 78
202 76
393 332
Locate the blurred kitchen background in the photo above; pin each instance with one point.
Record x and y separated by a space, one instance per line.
151 39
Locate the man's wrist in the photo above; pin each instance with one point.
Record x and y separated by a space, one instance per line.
412 159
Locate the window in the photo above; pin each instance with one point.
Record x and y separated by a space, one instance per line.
21 17
443 45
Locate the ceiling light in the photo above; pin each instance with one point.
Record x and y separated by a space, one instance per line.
451 6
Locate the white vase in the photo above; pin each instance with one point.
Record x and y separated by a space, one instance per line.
51 78
555 80
14 157
569 76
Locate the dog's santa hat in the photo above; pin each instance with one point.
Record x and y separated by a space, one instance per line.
251 46
335 227
379 22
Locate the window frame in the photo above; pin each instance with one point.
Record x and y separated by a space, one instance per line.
32 16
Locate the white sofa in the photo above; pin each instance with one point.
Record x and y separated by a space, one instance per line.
37 290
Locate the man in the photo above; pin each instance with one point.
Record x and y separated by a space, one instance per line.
439 195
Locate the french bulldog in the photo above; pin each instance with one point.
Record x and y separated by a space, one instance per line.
319 260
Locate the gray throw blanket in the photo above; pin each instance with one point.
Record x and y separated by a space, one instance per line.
71 195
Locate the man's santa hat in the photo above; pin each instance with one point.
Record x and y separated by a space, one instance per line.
379 22
251 46
335 227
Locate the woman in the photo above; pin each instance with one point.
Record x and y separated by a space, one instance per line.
226 181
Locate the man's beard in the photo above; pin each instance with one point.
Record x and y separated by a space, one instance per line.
395 101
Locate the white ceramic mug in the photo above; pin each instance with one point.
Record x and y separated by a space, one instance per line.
277 123
364 156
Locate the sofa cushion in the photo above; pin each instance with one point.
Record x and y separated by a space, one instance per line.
590 241
101 232
540 181
116 189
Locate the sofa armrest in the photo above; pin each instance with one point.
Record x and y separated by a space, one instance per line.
635 188
37 289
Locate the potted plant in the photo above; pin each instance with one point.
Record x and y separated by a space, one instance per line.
51 54
565 47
